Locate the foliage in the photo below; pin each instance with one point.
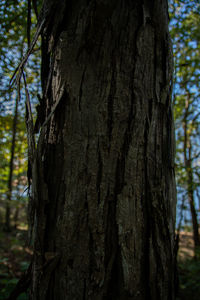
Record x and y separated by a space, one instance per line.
21 152
14 260
9 285
13 46
189 274
19 182
185 19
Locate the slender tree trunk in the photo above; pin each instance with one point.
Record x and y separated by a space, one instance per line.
16 216
18 206
11 166
191 201
103 177
189 176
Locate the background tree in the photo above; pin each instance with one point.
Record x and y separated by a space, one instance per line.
103 176
13 164
11 168
19 164
186 37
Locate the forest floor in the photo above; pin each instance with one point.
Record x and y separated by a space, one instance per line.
186 246
188 268
15 257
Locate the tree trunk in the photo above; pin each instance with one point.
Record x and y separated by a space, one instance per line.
189 176
103 177
7 225
190 188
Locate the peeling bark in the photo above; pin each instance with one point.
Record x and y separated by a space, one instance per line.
103 179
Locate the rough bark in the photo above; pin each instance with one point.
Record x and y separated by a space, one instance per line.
103 177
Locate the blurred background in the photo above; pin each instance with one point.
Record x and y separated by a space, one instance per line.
17 26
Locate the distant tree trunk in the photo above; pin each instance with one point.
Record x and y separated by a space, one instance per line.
189 176
103 177
7 225
16 216
18 206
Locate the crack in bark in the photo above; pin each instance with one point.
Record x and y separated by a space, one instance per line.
111 96
111 246
99 174
81 88
147 216
156 96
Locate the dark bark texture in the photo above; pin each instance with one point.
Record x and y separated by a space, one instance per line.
103 177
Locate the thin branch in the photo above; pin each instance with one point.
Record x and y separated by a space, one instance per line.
29 23
19 70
